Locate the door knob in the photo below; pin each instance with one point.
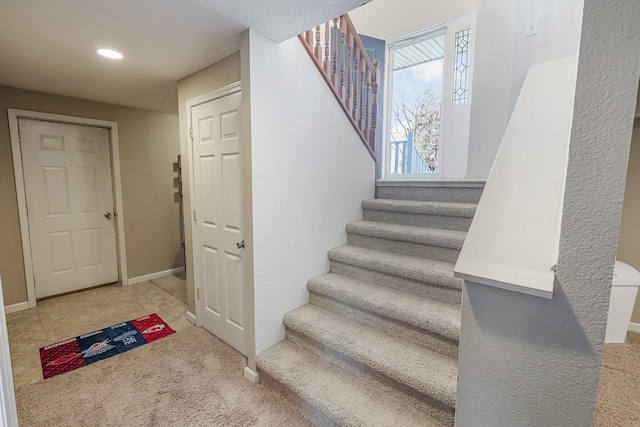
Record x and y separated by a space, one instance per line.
240 245
107 215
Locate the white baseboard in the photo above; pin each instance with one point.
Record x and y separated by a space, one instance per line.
191 317
16 307
476 176
251 375
634 327
147 277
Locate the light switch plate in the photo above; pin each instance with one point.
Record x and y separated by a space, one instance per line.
532 27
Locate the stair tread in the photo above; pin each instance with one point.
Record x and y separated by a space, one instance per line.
453 239
466 210
348 399
427 314
427 371
411 267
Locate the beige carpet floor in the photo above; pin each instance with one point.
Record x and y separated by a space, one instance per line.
188 379
619 395
193 379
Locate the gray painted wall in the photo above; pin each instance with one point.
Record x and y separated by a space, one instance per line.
377 49
526 361
502 57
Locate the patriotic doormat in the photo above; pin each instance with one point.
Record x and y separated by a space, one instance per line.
86 349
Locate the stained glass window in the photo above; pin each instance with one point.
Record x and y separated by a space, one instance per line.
461 68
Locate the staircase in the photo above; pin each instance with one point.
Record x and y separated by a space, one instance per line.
377 344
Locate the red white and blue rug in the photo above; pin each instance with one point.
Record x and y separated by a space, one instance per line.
86 349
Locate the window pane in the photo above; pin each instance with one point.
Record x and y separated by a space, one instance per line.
416 107
460 93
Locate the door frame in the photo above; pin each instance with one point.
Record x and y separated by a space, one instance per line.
18 173
190 103
8 409
448 27
402 41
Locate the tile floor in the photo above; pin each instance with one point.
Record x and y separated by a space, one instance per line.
67 316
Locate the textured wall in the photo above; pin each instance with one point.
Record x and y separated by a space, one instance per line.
528 361
216 76
148 145
281 19
310 172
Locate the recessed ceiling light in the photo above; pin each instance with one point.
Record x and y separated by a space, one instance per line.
108 53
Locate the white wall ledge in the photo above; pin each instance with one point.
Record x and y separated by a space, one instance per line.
531 282
513 242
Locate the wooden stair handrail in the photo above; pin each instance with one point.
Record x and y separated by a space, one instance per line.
342 60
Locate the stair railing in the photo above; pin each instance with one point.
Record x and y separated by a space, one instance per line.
406 158
337 51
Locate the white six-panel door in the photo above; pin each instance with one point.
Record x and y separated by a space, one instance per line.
67 175
218 217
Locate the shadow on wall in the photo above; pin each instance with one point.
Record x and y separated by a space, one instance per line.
516 317
180 259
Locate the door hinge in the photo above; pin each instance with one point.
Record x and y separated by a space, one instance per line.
191 133
195 216
198 293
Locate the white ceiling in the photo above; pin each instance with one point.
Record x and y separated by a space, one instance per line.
49 46
282 19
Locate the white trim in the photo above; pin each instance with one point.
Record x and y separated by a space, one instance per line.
8 410
419 35
251 375
189 208
118 204
527 289
159 274
190 317
13 308
407 40
634 327
16 153
22 206
476 177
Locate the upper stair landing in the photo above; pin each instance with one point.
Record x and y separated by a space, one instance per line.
434 191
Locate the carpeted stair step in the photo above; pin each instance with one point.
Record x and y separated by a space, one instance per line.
437 191
451 216
432 243
426 377
426 322
331 396
420 276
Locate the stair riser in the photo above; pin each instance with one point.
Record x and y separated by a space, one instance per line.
426 403
393 327
438 293
433 194
398 268
405 248
316 416
420 220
